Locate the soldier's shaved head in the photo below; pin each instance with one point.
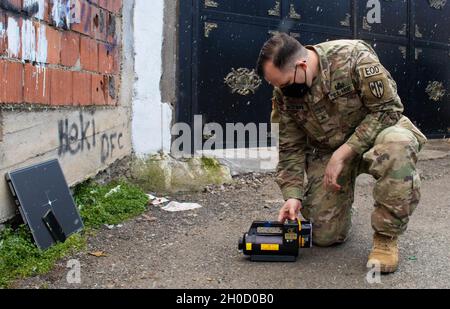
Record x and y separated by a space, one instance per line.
282 50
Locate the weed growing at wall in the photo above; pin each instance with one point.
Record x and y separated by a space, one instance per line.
99 204
19 256
110 204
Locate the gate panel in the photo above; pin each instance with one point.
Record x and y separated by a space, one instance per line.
393 18
431 66
325 13
431 91
229 91
432 22
220 42
260 8
226 88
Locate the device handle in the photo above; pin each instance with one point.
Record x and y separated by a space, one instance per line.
257 224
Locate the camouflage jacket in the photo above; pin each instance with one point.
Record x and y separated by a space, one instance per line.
352 100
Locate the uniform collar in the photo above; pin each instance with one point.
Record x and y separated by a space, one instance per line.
321 84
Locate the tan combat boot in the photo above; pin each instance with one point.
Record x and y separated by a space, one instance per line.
384 253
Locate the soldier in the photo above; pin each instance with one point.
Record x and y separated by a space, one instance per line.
339 115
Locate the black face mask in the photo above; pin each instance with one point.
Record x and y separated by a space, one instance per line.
295 90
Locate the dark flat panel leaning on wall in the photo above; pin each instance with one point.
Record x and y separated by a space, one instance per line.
222 38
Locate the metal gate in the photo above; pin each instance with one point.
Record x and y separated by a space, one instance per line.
219 42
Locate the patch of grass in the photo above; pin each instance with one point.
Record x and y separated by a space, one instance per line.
214 172
210 163
109 204
20 258
98 204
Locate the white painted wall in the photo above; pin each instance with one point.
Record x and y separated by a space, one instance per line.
151 117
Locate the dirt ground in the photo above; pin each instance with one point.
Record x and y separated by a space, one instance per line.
198 249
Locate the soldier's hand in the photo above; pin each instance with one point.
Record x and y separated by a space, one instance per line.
290 210
332 172
335 167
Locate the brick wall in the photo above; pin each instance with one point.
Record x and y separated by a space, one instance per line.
66 89
60 52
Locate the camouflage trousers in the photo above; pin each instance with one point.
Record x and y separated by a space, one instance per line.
392 162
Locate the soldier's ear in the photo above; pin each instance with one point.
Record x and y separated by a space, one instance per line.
302 64
299 62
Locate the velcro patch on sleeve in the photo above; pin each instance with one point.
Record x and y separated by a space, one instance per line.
377 89
371 70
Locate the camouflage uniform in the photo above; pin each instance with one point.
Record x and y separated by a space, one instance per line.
354 100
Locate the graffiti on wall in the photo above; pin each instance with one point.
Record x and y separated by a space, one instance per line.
82 135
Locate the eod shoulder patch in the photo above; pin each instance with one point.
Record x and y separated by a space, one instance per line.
375 84
372 70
